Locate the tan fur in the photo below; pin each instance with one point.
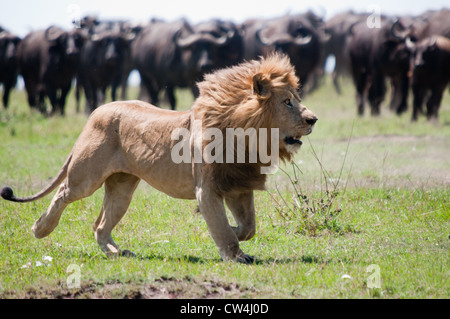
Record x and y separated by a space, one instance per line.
124 142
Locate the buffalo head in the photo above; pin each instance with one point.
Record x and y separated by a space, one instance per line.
299 36
66 44
423 51
8 47
111 45
209 45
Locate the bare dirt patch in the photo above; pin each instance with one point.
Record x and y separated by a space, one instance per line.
161 288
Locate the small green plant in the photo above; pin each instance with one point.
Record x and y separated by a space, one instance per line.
312 214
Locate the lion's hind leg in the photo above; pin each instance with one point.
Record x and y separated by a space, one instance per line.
50 219
119 189
67 193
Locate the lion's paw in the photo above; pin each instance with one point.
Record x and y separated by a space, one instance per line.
245 259
127 253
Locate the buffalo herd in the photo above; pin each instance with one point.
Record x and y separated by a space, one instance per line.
411 52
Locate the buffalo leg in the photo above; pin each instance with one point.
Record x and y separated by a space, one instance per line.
434 102
62 99
337 86
170 91
361 84
41 100
77 95
377 92
151 91
124 85
89 93
114 91
404 88
399 94
419 97
31 89
101 96
52 94
6 91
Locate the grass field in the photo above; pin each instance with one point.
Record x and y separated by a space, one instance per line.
381 230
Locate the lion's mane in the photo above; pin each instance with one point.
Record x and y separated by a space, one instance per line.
232 98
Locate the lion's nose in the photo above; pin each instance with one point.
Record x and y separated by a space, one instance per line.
312 120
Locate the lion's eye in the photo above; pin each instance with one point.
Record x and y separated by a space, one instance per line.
288 103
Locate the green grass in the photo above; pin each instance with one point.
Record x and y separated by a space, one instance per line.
392 209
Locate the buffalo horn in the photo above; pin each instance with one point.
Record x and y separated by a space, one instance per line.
195 37
302 40
53 33
282 39
396 34
409 43
266 40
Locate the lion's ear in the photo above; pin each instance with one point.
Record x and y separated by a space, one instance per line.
261 86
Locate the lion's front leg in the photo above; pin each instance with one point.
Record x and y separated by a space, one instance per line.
243 210
213 210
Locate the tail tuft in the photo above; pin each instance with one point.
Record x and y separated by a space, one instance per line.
7 193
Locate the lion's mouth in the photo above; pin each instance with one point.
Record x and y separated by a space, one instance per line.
290 140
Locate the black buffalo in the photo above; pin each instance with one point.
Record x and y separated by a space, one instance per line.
223 46
295 35
101 64
431 23
176 54
377 53
431 73
338 30
48 61
430 61
92 25
8 63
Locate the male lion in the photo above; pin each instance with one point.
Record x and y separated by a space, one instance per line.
124 142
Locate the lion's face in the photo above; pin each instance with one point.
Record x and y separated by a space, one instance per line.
292 118
257 95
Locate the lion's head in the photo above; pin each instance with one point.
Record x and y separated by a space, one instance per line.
260 94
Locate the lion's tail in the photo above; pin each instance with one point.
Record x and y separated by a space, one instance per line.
8 194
